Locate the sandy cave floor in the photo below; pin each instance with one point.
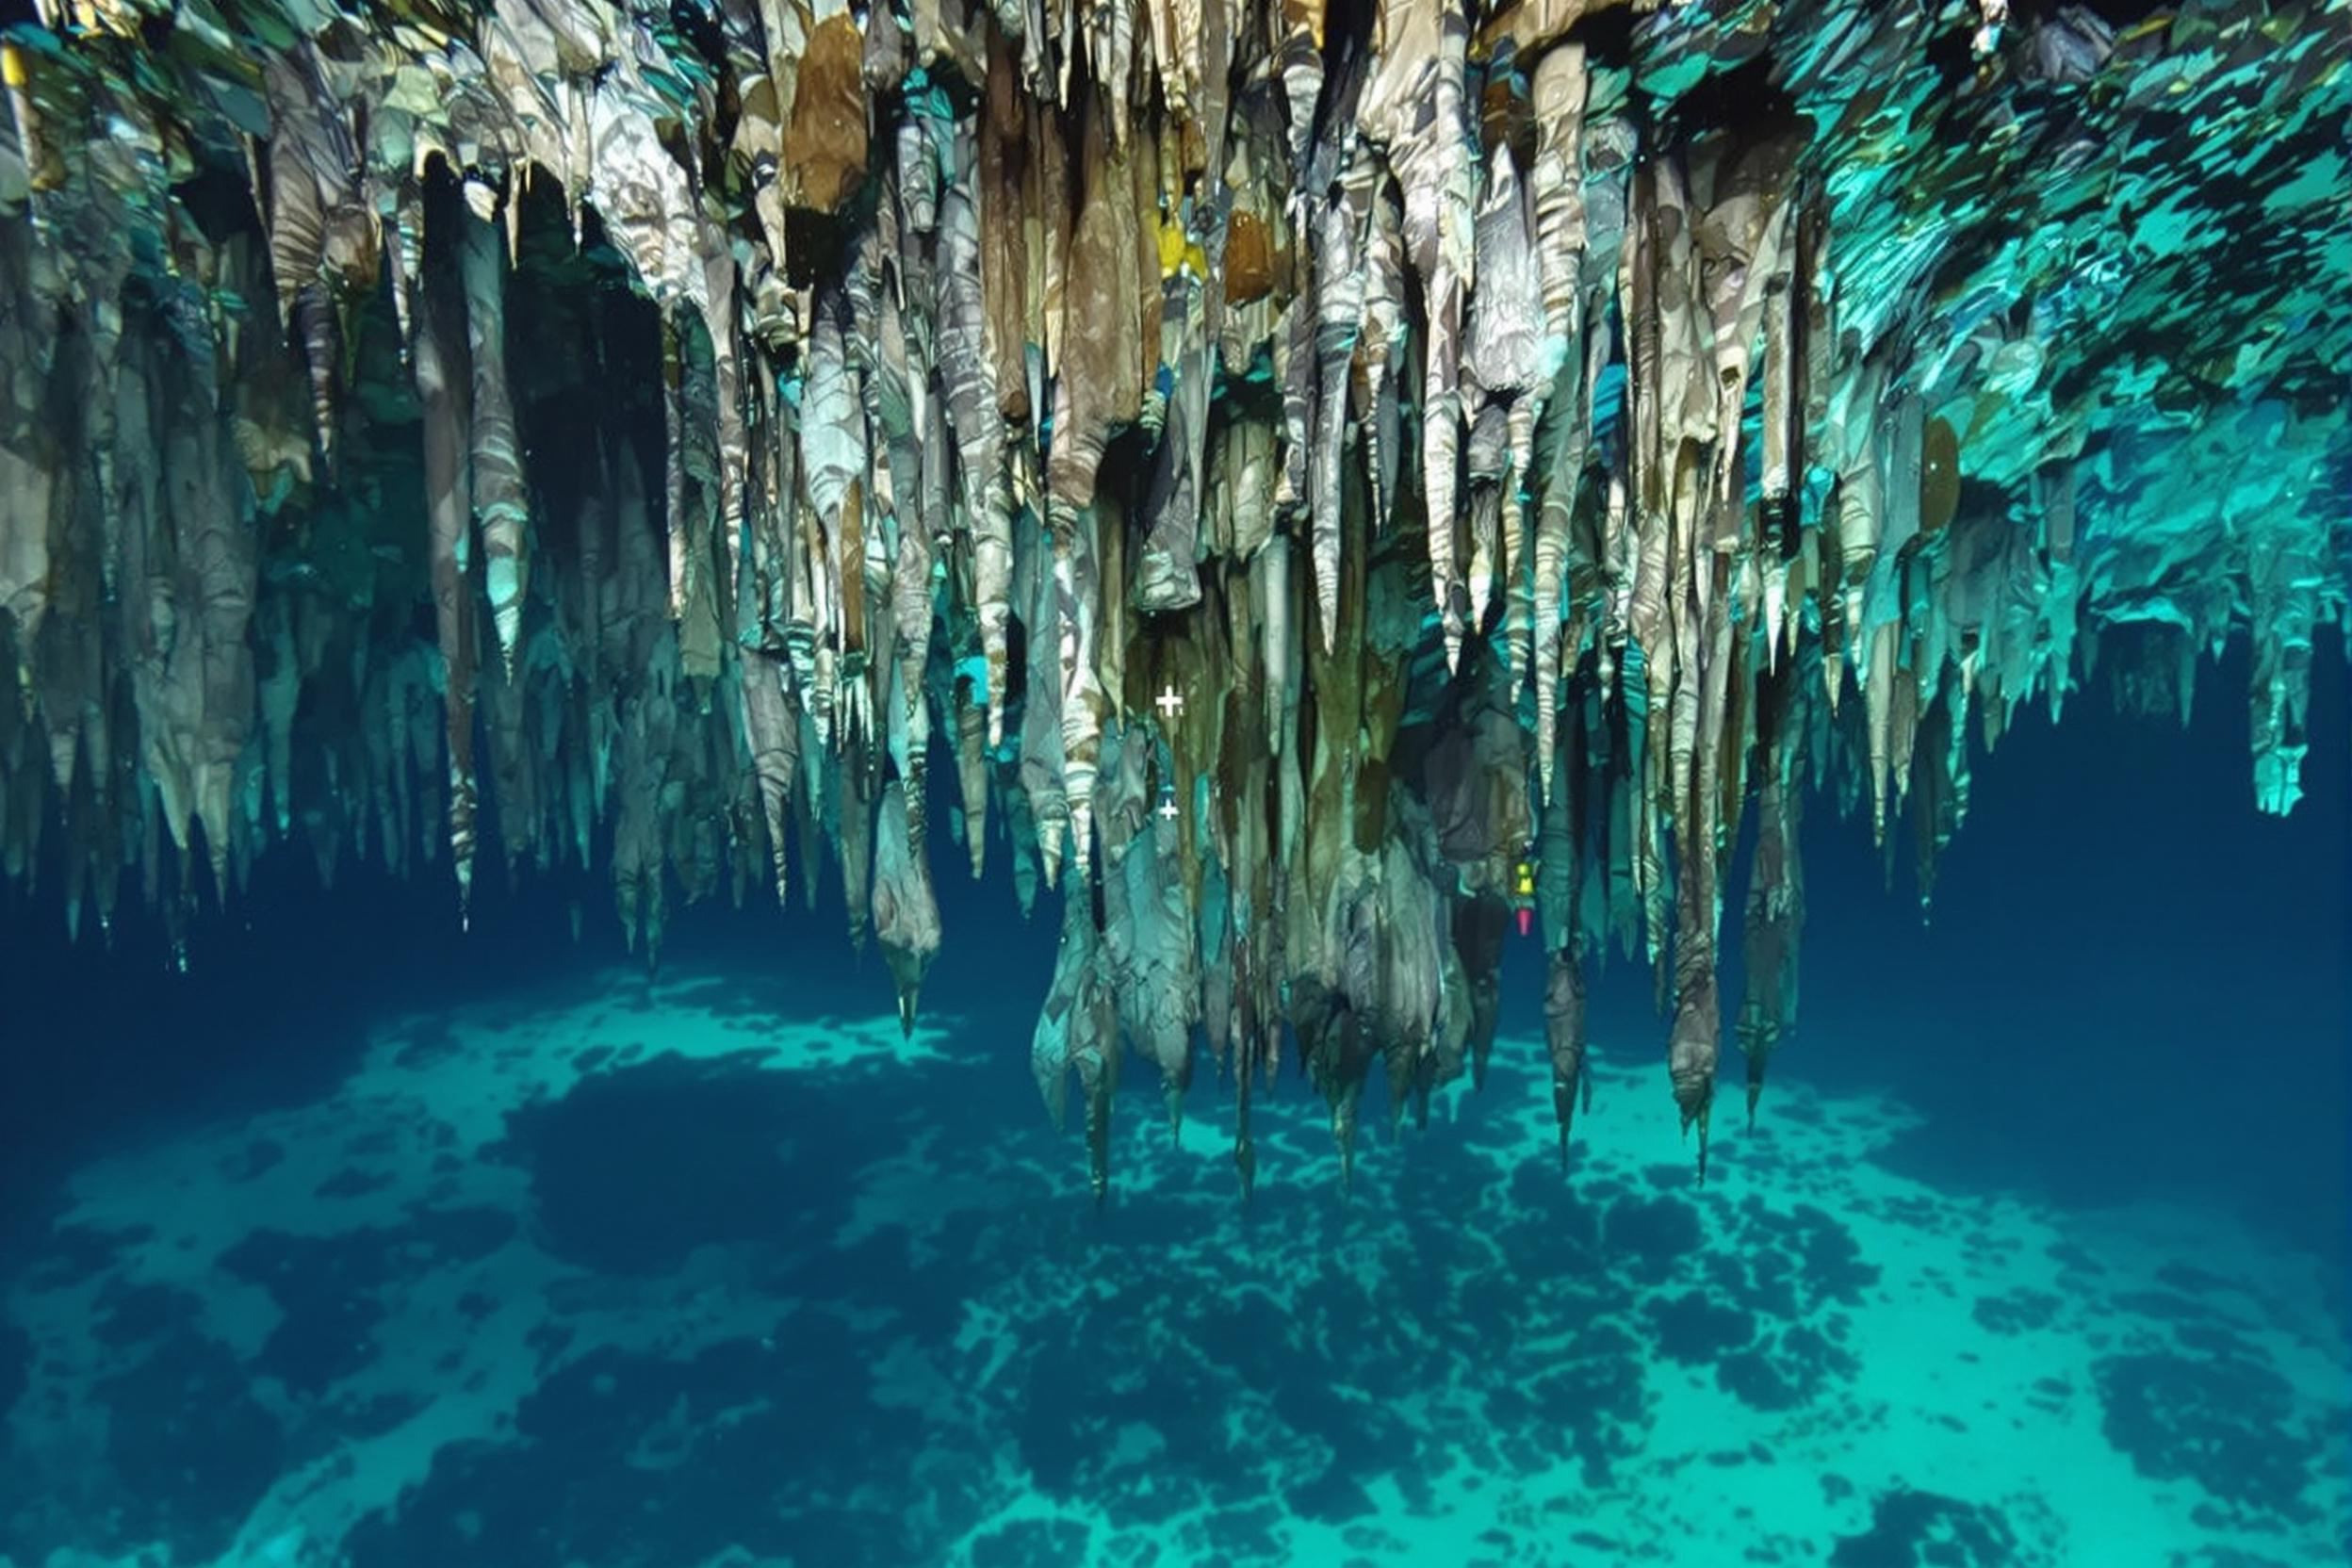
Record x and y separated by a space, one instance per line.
645 1277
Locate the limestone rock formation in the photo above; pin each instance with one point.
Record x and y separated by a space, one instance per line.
1318 478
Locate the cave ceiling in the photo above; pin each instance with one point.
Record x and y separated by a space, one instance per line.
1318 489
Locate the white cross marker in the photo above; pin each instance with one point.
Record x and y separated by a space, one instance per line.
1169 703
1168 806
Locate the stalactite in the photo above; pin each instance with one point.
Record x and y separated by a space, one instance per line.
498 477
442 392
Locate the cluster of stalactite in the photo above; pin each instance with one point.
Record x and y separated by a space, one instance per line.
1329 484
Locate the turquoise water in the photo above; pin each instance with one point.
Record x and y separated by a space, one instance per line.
488 1251
638 1275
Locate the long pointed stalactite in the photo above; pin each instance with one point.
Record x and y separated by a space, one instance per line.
1314 485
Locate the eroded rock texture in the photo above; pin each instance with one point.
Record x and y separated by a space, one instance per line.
1317 481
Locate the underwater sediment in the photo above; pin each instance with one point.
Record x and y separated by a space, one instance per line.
1322 482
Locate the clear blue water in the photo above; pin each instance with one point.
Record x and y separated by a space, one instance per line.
368 1242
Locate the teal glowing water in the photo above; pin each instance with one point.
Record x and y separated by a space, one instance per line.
638 1275
481 1250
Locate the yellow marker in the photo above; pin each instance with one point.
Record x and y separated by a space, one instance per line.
1178 252
16 79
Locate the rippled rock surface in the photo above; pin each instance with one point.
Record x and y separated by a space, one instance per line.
842 1304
